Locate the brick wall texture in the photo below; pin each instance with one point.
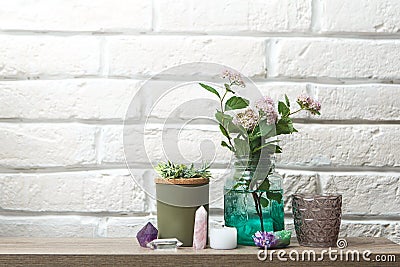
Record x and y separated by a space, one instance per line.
69 70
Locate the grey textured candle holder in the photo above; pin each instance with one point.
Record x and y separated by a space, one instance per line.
317 219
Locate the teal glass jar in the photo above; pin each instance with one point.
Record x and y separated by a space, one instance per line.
252 204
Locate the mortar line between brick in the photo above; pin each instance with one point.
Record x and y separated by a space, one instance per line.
153 16
341 170
99 146
271 57
103 71
315 16
188 78
248 34
22 213
176 124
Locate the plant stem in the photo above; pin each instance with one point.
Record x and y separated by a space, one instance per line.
222 100
257 203
223 112
295 112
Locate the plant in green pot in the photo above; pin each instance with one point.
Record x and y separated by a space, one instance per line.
180 191
253 200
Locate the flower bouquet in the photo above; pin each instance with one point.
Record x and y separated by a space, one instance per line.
251 133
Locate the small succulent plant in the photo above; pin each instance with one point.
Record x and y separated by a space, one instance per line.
170 170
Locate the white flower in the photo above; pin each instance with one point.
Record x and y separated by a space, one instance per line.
248 119
234 78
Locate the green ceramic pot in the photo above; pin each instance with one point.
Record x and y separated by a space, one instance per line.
177 202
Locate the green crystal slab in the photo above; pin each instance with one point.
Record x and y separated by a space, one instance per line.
283 238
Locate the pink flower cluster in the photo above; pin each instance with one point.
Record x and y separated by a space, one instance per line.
248 119
310 104
266 107
234 78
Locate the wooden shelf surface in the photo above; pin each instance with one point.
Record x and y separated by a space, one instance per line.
126 251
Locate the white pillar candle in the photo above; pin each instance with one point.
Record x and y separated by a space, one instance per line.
223 238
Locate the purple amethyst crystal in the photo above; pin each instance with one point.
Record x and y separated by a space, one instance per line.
265 239
147 234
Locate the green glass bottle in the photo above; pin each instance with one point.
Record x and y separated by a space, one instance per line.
253 208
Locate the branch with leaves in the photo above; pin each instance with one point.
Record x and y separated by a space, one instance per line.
247 131
226 125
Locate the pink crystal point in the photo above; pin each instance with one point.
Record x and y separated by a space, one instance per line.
200 229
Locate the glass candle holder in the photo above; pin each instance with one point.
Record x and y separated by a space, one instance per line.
317 219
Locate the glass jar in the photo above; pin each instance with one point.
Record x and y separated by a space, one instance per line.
253 199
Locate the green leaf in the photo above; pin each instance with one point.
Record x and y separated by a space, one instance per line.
236 186
226 121
236 102
274 196
270 143
254 138
264 202
255 134
285 126
224 144
283 109
264 185
233 128
210 89
223 118
267 130
223 131
287 101
278 149
242 147
254 145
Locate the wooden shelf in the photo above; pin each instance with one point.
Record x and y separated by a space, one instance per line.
126 251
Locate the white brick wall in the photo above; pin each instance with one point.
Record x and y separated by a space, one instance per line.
368 16
232 16
31 145
316 57
24 56
67 99
130 55
69 70
76 15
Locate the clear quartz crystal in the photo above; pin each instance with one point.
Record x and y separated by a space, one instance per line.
165 244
